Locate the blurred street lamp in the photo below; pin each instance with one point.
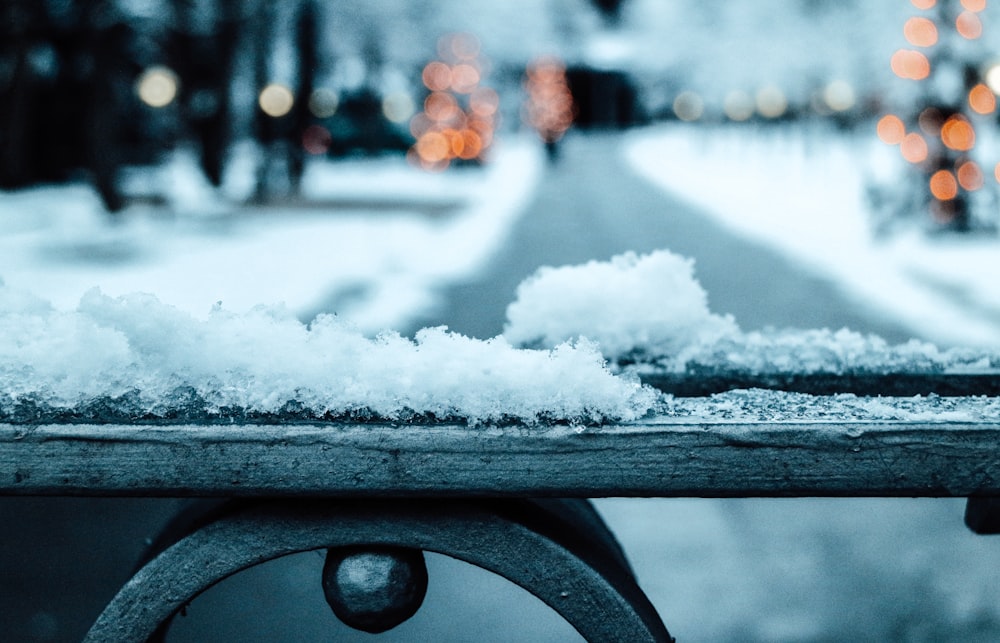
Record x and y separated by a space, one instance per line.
157 86
276 100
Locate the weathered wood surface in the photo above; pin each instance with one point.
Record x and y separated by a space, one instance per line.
655 458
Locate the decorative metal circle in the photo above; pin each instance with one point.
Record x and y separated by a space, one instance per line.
576 573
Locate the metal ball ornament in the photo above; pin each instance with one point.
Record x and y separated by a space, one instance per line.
374 589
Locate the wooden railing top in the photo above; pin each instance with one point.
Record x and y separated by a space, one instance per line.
664 456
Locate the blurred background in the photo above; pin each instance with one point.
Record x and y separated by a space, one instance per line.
408 163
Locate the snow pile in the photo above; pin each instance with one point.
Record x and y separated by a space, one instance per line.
650 312
632 306
134 358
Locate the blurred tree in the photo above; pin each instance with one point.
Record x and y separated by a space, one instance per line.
201 49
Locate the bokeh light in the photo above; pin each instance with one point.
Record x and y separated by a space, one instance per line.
923 4
930 121
157 86
436 76
957 134
440 106
970 176
969 25
982 100
991 76
920 32
458 47
445 129
891 129
943 185
771 102
398 107
323 103
464 78
839 95
913 147
910 64
974 5
738 105
316 139
549 109
276 100
688 106
484 101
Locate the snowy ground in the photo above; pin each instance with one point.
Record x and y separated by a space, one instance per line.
377 254
805 197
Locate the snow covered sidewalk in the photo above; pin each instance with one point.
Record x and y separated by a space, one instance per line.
804 196
382 268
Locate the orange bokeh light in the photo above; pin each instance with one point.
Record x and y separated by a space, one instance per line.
930 121
970 177
957 134
484 101
974 5
436 76
982 100
433 147
910 64
924 4
464 78
969 25
943 185
913 148
920 32
891 129
440 106
458 46
550 109
996 172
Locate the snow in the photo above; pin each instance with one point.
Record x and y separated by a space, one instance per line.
804 197
133 357
650 310
650 305
775 408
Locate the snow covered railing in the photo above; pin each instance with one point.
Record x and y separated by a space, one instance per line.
377 494
611 379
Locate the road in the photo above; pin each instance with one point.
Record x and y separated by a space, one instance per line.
591 206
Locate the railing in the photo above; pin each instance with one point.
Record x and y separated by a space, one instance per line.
510 499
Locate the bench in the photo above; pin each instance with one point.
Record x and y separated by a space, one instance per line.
507 497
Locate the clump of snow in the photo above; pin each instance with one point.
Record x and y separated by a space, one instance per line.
632 305
133 357
650 313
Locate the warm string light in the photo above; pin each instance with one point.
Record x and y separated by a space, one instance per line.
459 115
943 136
549 109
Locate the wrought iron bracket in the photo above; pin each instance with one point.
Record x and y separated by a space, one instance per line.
559 550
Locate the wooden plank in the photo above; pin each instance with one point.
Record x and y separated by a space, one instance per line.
654 458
